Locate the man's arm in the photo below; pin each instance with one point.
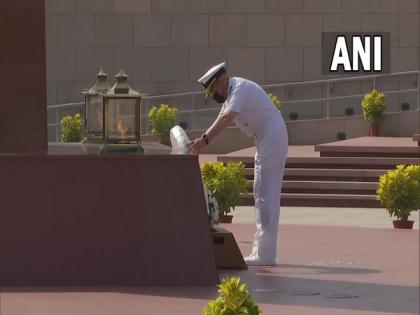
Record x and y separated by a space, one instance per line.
224 121
221 123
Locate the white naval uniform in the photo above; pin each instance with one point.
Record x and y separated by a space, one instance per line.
258 117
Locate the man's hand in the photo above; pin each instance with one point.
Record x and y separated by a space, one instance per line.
196 145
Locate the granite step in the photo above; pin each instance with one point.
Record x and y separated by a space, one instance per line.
332 162
319 200
326 187
355 175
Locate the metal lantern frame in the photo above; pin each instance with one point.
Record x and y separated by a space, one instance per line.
123 92
99 89
107 138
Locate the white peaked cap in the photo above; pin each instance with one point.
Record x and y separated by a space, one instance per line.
208 79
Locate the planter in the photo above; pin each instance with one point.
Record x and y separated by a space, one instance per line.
164 140
225 218
374 129
403 224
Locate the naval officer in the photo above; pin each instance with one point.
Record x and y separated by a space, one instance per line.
247 105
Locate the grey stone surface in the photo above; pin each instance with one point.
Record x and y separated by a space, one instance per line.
51 30
410 30
170 64
404 59
60 6
384 23
322 6
303 30
227 31
327 131
302 133
312 64
90 60
246 6
159 37
408 124
284 64
51 93
217 6
133 6
204 58
136 62
357 127
113 31
95 6
190 31
180 6
269 41
406 6
75 30
61 65
284 6
389 126
341 23
247 63
68 92
265 30
361 6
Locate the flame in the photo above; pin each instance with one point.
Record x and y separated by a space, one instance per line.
122 130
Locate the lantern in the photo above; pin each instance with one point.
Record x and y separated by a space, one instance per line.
94 108
121 119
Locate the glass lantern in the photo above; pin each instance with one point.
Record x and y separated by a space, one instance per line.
94 130
122 115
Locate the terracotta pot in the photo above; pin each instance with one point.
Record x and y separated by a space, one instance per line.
225 218
403 224
164 140
374 129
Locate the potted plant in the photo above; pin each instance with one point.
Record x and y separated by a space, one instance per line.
399 193
225 182
234 299
275 101
373 107
162 119
71 128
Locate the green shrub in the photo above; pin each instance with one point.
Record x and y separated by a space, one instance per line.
399 191
162 119
234 299
373 106
71 128
275 101
226 182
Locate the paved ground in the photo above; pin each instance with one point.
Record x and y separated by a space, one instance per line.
354 217
331 261
322 270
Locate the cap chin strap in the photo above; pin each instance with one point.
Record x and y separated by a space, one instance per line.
209 88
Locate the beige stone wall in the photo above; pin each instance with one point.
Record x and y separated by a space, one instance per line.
166 44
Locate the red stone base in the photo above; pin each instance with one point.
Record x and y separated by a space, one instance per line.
104 221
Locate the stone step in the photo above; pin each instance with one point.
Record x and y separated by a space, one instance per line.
319 200
354 175
326 187
331 162
371 147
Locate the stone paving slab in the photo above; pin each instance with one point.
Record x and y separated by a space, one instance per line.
378 267
351 217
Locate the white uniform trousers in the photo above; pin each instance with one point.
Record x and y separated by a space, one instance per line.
270 159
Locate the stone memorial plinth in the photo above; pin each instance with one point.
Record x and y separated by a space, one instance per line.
91 220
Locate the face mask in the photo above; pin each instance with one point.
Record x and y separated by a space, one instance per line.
219 98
